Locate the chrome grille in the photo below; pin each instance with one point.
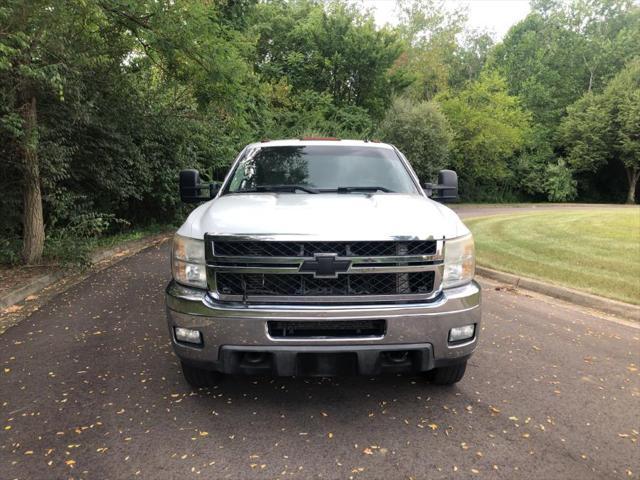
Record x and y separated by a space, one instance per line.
257 269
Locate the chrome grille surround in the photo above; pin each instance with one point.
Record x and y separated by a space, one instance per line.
256 263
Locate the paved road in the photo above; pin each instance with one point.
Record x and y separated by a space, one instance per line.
89 388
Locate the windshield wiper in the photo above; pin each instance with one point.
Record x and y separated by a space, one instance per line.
363 189
279 188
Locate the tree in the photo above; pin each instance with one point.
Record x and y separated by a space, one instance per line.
32 45
604 128
329 49
103 102
421 131
469 57
609 33
561 50
489 129
537 58
432 52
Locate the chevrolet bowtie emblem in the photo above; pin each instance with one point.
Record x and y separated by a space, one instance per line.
325 265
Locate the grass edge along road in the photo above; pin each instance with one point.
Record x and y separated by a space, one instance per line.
596 250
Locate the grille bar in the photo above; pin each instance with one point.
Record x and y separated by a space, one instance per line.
295 269
309 249
297 261
295 285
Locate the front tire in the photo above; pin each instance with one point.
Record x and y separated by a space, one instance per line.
447 375
200 378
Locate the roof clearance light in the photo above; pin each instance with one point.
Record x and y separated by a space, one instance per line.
320 138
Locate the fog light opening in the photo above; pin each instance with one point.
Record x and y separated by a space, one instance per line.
459 334
187 335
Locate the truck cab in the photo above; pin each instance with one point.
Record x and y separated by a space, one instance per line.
322 257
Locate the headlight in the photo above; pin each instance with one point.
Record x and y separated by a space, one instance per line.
187 262
459 261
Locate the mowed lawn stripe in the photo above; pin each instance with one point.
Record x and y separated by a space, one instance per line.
596 250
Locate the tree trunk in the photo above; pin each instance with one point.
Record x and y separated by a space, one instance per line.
632 176
33 221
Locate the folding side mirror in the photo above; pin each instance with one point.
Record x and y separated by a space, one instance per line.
448 181
192 190
446 190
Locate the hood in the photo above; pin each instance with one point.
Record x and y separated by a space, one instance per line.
329 216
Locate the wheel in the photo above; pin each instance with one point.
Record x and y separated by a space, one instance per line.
200 378
447 375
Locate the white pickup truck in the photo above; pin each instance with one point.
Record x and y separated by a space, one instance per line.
322 257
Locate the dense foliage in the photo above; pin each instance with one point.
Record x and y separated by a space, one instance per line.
103 102
490 128
421 131
603 130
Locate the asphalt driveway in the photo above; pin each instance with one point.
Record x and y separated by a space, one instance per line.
89 388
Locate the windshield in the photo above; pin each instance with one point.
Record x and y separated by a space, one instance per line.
321 169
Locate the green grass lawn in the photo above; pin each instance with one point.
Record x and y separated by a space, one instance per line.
597 251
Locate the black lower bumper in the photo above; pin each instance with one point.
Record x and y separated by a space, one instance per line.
323 360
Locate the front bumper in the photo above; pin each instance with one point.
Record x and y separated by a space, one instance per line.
231 331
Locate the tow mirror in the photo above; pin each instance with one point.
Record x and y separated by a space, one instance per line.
192 190
446 190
